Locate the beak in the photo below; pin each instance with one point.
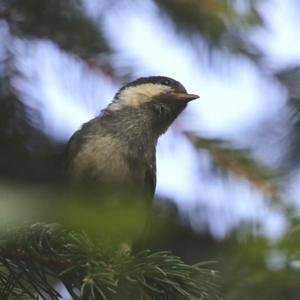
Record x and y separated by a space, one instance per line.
184 96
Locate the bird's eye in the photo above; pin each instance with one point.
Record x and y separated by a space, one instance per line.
166 82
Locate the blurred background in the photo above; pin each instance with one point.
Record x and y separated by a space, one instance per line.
228 169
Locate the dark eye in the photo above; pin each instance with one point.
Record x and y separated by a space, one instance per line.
166 82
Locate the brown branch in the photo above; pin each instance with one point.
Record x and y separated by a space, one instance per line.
50 261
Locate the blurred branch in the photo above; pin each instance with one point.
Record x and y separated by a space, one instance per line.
219 23
265 269
238 162
36 256
290 79
64 22
25 152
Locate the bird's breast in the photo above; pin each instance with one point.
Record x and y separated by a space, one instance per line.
112 162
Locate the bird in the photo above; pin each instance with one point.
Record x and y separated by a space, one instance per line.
116 150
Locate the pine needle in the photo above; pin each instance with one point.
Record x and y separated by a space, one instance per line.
34 258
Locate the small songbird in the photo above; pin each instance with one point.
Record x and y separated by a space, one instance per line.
117 148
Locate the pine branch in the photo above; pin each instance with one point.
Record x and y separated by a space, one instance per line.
289 78
33 258
63 22
219 23
238 162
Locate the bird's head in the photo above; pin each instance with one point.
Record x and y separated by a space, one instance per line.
160 98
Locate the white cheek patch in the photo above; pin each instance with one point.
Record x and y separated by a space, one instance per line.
136 95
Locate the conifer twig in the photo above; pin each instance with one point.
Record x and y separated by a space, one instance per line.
33 258
238 161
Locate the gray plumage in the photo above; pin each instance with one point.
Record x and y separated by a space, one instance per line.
117 148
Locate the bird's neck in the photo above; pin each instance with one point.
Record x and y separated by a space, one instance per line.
134 127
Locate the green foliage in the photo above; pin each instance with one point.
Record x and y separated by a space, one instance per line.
33 258
261 269
113 219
